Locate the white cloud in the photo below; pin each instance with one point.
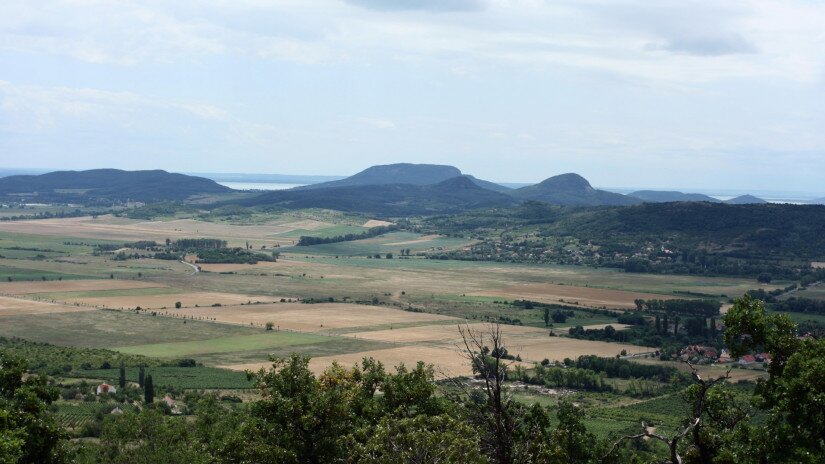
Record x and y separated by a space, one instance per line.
350 83
674 41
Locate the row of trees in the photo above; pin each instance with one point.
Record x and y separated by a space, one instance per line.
704 308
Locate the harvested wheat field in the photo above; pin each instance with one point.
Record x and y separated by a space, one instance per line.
533 344
444 333
376 223
20 307
120 229
54 286
448 362
558 348
585 296
168 300
309 317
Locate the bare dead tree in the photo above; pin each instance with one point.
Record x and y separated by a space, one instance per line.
694 425
484 350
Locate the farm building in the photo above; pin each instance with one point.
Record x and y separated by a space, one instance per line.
747 359
106 389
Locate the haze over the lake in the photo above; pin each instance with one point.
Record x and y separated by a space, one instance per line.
698 94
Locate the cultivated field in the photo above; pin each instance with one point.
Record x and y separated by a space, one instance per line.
21 307
128 230
532 344
310 317
586 296
447 362
23 288
376 223
813 292
167 299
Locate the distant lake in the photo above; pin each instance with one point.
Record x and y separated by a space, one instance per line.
258 185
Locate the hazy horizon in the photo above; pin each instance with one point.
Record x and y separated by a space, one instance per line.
695 96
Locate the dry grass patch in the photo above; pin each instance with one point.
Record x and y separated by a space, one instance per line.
309 317
19 307
586 296
423 239
55 286
232 267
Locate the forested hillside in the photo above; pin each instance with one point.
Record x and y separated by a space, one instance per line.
684 237
455 195
107 185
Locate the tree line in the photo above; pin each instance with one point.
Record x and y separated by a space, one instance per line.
305 240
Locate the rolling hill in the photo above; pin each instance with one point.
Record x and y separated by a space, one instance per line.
107 185
453 195
572 190
746 200
400 173
405 173
659 196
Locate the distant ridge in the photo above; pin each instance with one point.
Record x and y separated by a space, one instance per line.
399 173
572 190
108 185
405 173
660 196
746 200
489 185
457 194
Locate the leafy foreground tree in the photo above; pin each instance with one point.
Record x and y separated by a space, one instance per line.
149 437
794 393
421 439
785 422
28 434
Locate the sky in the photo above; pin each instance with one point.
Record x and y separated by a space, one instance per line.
658 93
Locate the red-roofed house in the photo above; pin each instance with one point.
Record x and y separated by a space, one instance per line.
106 389
747 359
